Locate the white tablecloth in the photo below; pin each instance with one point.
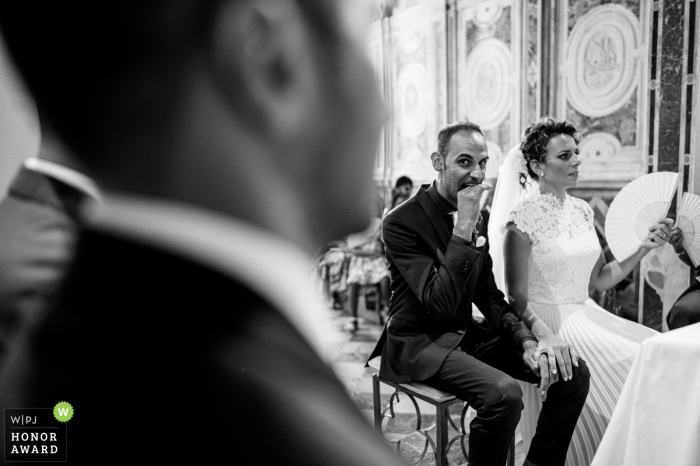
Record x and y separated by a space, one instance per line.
657 418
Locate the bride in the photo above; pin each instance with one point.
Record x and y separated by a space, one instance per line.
545 253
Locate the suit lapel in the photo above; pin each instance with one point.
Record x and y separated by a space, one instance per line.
435 219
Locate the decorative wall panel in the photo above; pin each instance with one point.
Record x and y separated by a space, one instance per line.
488 73
417 61
603 87
376 55
624 71
531 45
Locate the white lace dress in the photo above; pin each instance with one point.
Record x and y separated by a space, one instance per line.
564 249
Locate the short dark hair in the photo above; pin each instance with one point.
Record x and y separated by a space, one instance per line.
99 72
403 180
537 136
450 130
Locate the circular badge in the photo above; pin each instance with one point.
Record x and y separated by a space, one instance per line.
63 411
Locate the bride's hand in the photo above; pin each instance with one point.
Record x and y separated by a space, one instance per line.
658 234
559 353
539 366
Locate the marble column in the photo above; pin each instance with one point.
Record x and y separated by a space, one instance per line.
663 276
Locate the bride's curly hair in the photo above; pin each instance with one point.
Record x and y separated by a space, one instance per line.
537 136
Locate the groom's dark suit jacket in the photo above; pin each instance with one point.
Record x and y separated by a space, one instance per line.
435 278
168 361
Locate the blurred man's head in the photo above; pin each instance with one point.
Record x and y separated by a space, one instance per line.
263 109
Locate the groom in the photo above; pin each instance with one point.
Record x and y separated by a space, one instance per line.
439 267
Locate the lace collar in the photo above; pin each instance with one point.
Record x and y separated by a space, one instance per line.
553 200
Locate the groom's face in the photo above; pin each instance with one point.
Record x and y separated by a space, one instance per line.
464 164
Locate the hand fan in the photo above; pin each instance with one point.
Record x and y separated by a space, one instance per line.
639 205
689 223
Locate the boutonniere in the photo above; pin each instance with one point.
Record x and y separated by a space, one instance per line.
480 241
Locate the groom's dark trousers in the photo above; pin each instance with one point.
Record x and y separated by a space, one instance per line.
431 336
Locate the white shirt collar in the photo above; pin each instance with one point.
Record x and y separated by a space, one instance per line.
270 265
66 175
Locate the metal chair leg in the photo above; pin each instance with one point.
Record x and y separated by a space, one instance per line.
510 460
441 435
376 395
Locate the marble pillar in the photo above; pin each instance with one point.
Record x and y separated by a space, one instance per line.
663 276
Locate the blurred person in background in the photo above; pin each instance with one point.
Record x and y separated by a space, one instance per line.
403 185
401 191
397 199
686 309
367 268
207 126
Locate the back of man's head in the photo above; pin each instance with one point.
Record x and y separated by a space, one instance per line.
210 99
103 73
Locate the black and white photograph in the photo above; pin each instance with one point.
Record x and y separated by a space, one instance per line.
350 232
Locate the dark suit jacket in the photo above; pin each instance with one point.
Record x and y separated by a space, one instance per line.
38 227
435 277
166 361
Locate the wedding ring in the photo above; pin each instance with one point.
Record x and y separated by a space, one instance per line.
663 235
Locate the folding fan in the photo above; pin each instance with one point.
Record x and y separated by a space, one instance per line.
639 205
689 223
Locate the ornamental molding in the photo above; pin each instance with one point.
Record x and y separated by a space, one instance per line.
602 67
487 91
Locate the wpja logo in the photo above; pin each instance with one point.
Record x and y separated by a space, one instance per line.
37 434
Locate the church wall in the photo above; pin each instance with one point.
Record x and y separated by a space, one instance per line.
621 70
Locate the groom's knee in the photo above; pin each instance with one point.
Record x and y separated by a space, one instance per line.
505 400
581 379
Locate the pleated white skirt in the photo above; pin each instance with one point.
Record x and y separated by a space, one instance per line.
609 345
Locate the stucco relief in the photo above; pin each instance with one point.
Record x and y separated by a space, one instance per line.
412 92
578 8
488 20
410 42
599 147
602 69
488 74
487 13
496 157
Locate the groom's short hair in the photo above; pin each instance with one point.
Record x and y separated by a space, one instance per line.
446 133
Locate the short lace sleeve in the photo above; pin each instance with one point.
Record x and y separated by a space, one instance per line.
526 216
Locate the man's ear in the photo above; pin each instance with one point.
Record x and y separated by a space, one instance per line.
438 163
263 61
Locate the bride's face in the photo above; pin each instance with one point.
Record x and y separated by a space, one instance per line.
560 168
